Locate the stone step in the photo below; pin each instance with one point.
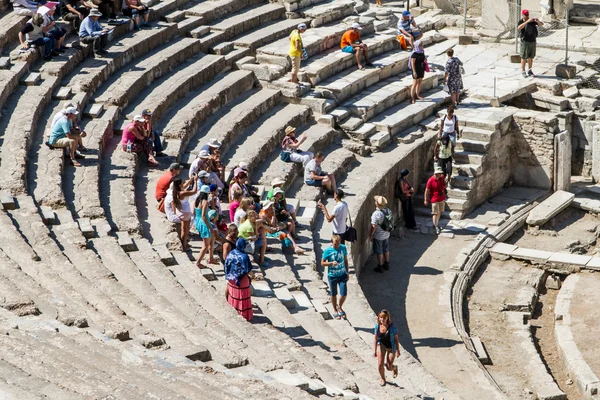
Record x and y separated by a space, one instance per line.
477 134
190 75
336 162
32 79
476 146
189 113
130 83
295 5
122 167
263 136
550 102
462 182
327 12
351 81
231 121
168 322
265 34
314 40
188 24
15 300
402 116
236 55
211 11
175 16
470 170
468 157
237 24
318 137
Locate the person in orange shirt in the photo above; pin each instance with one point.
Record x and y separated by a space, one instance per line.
351 43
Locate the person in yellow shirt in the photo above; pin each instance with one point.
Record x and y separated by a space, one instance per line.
351 43
296 50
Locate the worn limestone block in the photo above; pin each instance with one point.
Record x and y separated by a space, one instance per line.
208 274
261 289
286 378
150 342
482 354
165 255
502 251
285 297
553 282
563 150
64 93
223 48
8 202
94 110
532 255
125 241
550 208
515 58
48 216
464 39
569 259
592 93
4 62
200 31
594 263
565 71
321 309
380 139
571 93
31 79
86 228
245 60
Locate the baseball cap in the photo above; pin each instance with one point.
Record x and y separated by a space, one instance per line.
243 165
406 13
205 189
277 191
525 12
355 25
139 118
212 187
302 26
174 166
71 110
147 111
203 174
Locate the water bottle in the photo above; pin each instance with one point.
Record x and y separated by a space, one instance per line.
129 146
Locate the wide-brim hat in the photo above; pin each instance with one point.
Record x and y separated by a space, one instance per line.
95 13
214 143
266 204
203 154
278 191
277 182
380 201
438 171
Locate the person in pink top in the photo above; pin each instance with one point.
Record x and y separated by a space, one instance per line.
435 192
238 195
134 141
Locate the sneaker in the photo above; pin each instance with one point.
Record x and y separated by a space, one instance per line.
438 230
530 73
378 269
525 74
386 266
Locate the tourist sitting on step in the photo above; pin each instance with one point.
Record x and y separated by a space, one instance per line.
238 272
290 148
213 147
351 43
133 140
241 167
56 32
152 134
254 231
449 125
238 195
339 215
203 163
240 182
33 34
335 258
315 176
25 7
134 9
64 134
246 205
164 183
435 192
214 202
281 212
75 11
297 51
443 153
277 184
382 223
387 345
91 32
418 65
279 225
178 207
203 226
405 28
230 239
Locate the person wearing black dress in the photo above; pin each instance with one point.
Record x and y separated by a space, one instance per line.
404 193
417 65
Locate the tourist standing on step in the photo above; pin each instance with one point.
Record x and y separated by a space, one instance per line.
443 153
230 239
382 223
164 183
238 272
151 134
404 192
449 125
417 65
297 51
339 215
387 345
290 148
178 207
335 258
452 78
435 192
405 28
528 27
91 32
351 43
315 176
204 228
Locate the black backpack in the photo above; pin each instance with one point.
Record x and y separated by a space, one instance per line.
388 221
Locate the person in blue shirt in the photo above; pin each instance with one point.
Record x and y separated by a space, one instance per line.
335 258
92 32
62 135
386 345
405 27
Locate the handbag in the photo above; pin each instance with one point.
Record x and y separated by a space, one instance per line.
446 88
285 156
427 66
350 235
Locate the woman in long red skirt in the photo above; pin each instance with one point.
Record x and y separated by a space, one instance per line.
238 272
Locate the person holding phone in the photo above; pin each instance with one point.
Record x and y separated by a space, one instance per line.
335 258
528 27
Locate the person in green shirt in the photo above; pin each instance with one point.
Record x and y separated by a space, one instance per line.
296 50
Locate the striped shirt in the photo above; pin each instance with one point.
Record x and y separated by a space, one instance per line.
405 24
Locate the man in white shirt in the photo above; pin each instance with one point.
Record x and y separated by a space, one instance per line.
339 215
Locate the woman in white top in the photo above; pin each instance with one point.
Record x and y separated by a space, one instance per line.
449 125
246 204
178 207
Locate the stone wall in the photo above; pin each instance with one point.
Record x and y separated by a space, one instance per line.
416 159
532 149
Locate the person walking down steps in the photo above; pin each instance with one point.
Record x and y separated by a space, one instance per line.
387 345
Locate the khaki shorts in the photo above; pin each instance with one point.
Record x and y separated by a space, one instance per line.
527 50
64 142
295 65
438 208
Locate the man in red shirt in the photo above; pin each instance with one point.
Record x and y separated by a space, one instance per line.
351 43
436 190
165 181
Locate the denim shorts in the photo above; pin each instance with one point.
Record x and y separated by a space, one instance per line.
348 49
381 246
334 281
314 182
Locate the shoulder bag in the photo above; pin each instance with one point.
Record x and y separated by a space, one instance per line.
350 234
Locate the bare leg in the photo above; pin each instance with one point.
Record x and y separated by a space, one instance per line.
146 17
412 91
205 246
211 250
333 183
530 62
387 257
366 50
334 303
418 88
380 362
379 259
523 64
342 300
358 52
72 148
185 230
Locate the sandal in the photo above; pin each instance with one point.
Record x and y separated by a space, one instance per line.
395 371
342 313
337 316
382 383
300 251
213 262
